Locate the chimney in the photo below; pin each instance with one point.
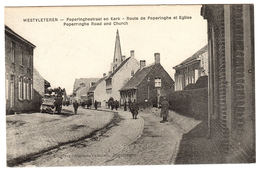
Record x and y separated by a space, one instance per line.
123 57
132 53
104 74
142 64
157 58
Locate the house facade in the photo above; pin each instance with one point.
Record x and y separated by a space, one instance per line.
18 72
147 84
231 106
191 69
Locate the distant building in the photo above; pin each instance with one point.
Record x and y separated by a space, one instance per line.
147 84
97 91
191 69
81 87
122 69
18 72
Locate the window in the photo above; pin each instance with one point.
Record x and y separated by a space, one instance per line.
24 90
28 61
6 89
92 84
12 52
28 91
31 86
157 82
20 88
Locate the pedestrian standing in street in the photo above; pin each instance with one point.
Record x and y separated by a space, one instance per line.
75 106
95 104
135 109
164 109
116 104
125 106
112 105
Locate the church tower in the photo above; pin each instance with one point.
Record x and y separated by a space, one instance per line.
117 53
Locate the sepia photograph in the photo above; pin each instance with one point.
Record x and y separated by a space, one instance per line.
117 85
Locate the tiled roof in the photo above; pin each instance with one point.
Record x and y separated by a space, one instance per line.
193 57
118 68
138 78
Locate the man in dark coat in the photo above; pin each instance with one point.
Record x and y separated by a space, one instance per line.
164 109
75 106
125 107
112 105
95 104
134 109
116 104
130 105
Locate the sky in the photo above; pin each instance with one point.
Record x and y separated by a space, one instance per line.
65 53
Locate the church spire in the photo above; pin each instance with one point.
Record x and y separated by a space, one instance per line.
117 53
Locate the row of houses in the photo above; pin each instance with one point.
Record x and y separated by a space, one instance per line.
127 79
24 86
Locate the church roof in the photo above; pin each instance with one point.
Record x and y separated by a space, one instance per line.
117 51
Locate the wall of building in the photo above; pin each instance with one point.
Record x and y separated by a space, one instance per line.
231 99
122 76
100 93
15 70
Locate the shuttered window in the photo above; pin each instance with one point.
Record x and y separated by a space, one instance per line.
20 88
6 89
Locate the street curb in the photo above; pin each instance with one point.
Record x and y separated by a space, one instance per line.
29 157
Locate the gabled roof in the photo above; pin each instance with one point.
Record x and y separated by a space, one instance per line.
194 57
85 81
138 77
10 31
118 68
92 88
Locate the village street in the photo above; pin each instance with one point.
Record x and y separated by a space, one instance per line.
126 141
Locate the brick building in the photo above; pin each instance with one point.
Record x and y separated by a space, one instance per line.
18 72
188 71
231 104
148 83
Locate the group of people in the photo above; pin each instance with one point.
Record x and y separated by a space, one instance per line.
114 104
133 107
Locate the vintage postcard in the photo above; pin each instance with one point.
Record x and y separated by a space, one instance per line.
129 85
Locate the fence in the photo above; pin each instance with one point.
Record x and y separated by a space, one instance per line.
192 103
